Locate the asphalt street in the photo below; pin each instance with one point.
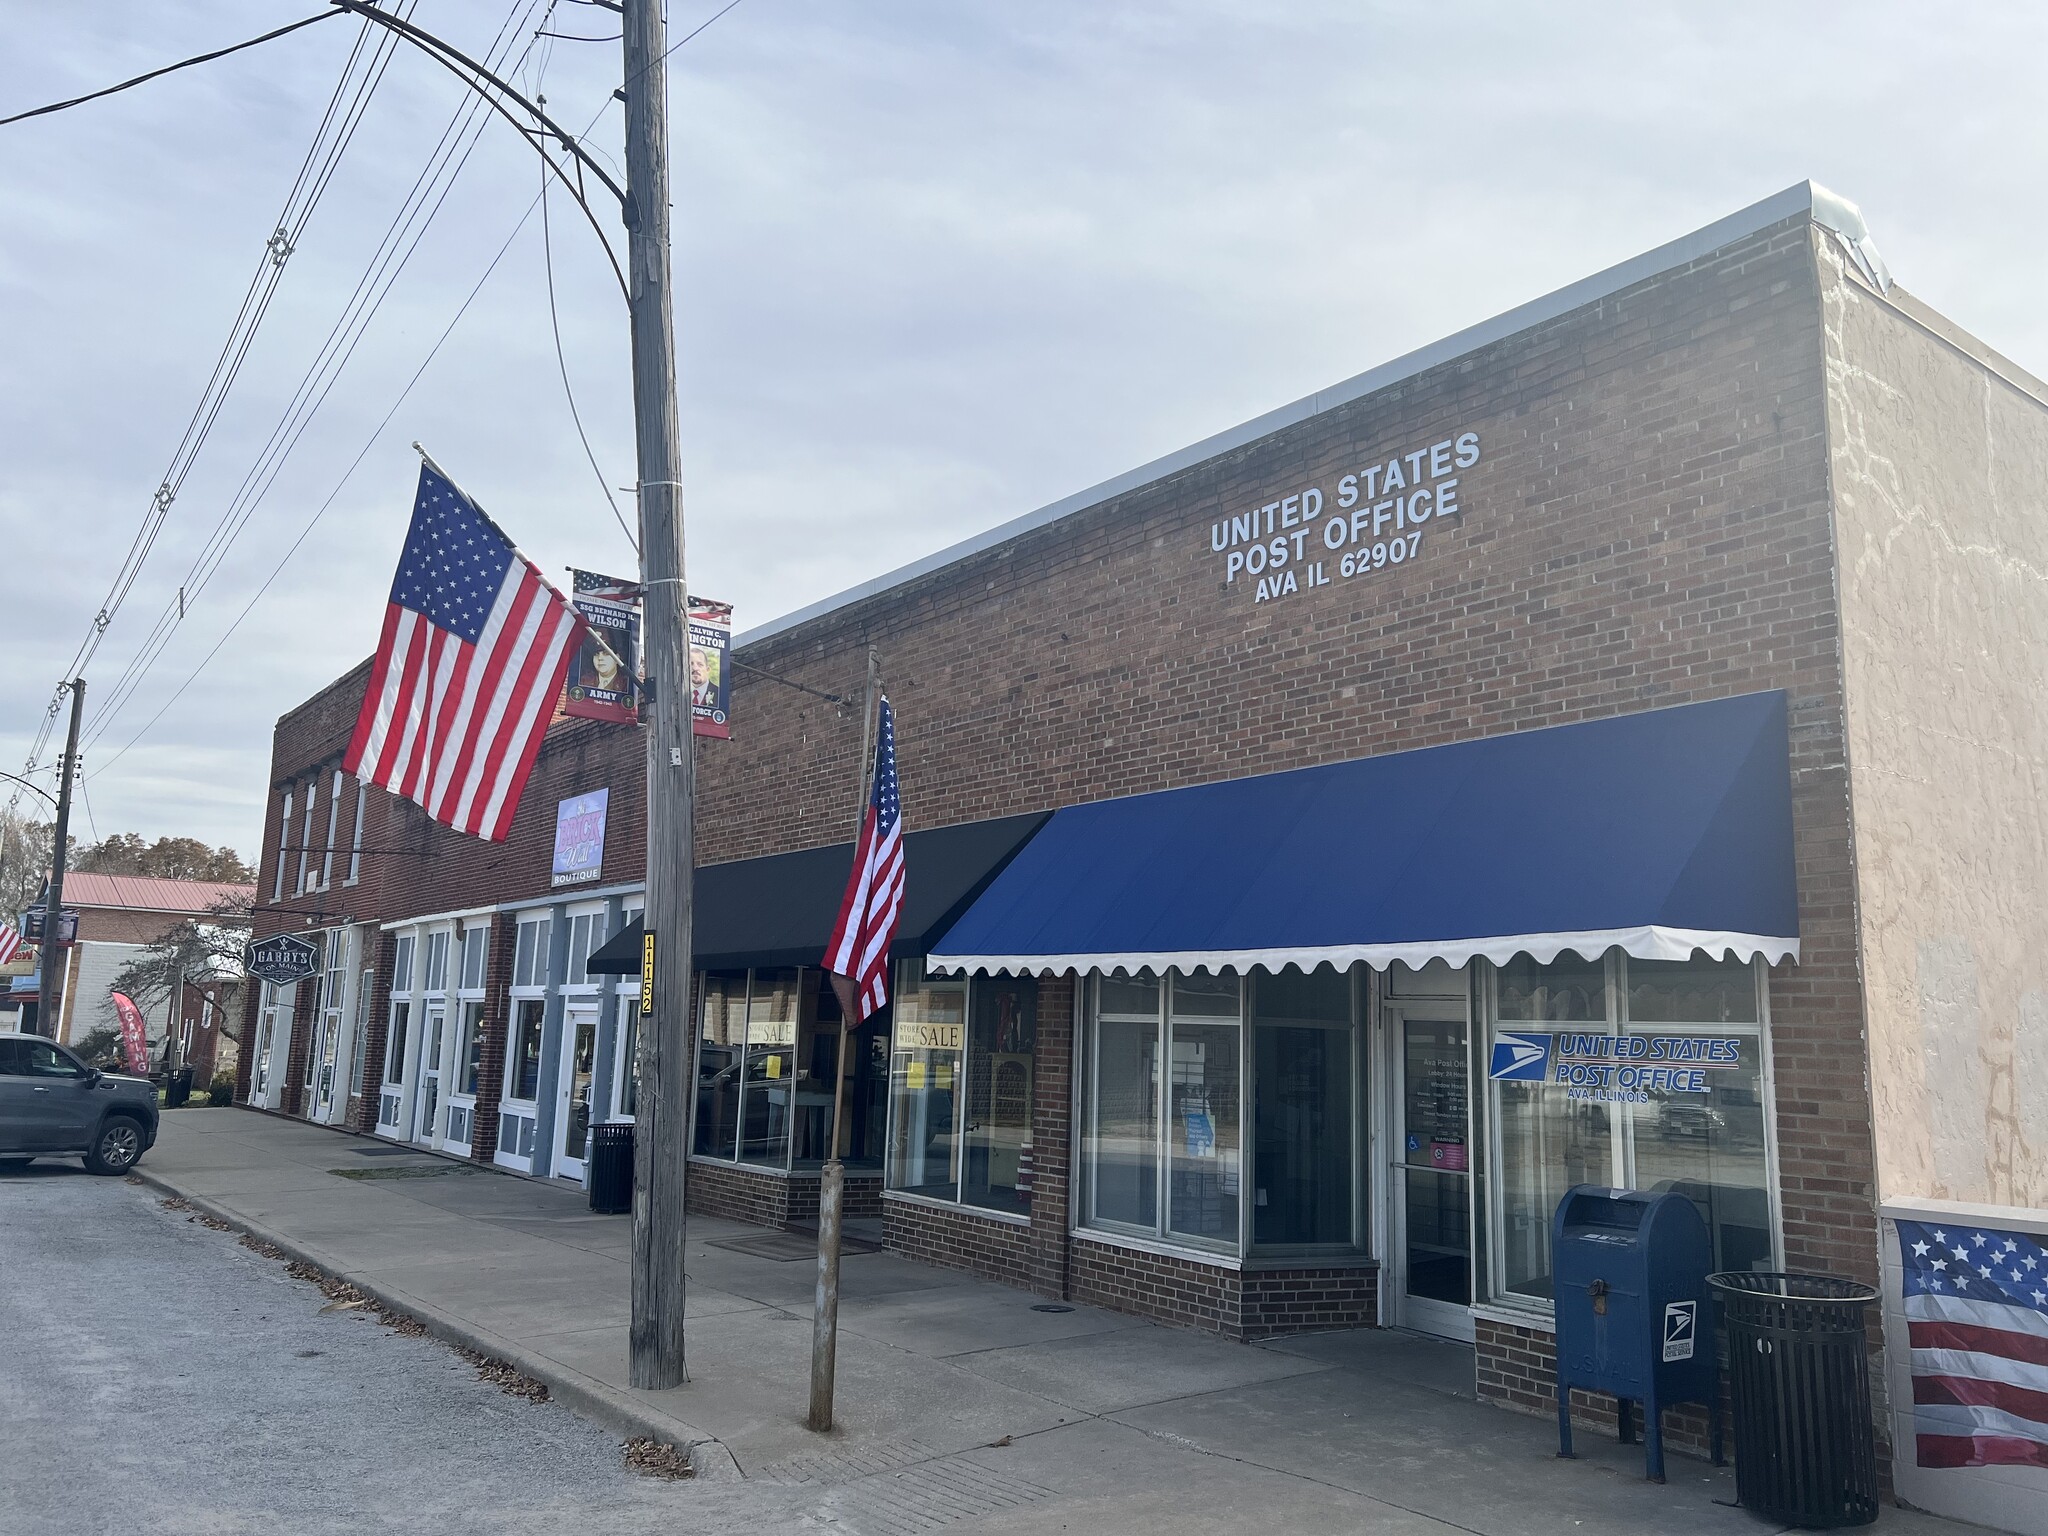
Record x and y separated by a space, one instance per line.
156 1376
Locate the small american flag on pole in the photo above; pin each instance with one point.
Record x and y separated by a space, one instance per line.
857 954
10 942
468 670
1976 1304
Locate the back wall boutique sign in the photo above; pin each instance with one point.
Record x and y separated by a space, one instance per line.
1370 519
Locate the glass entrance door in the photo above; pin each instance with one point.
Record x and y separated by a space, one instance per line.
579 1068
1431 1180
427 1127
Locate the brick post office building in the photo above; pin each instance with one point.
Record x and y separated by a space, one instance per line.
1649 676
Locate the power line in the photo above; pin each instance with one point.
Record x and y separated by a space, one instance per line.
318 162
394 252
321 511
125 85
396 404
547 244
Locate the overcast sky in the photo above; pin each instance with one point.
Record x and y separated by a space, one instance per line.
938 262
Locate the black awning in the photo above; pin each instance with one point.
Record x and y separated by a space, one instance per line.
779 910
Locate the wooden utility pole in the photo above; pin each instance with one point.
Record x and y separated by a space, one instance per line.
51 953
660 1149
832 1180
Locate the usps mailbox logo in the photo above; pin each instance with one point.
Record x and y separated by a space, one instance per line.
1520 1059
1679 1317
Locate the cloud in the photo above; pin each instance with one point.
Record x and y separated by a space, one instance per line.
936 265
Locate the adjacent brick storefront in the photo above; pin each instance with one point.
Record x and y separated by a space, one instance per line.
1641 518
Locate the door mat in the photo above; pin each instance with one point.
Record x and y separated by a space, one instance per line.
786 1247
405 1171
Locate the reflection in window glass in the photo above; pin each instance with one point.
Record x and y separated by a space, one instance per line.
1123 1122
475 941
1133 997
923 1148
394 1046
996 1136
929 1018
1205 996
437 962
1548 1143
1695 991
470 1063
524 1078
1710 1147
1302 1116
1203 1132
1301 1113
1567 990
401 965
530 954
771 1081
720 1053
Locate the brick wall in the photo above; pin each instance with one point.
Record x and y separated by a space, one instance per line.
1649 524
960 1237
771 1200
1517 1368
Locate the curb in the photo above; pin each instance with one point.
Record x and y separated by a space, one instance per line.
605 1405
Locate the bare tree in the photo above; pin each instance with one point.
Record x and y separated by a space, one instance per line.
205 948
25 846
168 858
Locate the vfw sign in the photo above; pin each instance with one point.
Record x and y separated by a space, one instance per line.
1367 520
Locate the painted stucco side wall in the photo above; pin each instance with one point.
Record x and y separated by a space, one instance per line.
1939 456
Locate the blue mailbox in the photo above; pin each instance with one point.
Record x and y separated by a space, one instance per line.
1633 1314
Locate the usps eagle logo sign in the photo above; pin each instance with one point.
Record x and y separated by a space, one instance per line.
1520 1058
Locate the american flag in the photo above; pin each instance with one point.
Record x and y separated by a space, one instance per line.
468 670
1976 1302
857 954
10 942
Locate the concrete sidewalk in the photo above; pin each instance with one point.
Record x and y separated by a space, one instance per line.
965 1399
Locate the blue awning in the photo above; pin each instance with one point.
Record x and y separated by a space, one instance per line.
1661 832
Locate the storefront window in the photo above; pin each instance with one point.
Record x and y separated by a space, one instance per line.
471 1049
771 1083
475 942
1002 1035
1202 1130
1304 1156
523 1079
1123 1104
930 1026
1662 1091
721 1053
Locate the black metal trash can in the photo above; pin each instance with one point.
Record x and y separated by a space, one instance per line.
178 1088
1799 1377
609 1173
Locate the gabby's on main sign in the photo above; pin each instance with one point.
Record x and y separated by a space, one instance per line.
1374 518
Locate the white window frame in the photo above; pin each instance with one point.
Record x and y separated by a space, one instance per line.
284 842
355 851
1621 1125
1160 1234
399 1054
333 830
306 838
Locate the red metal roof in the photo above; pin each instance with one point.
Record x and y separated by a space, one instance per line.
141 893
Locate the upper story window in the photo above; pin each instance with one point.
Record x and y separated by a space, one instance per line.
306 838
475 949
586 933
333 828
530 952
355 851
436 967
284 842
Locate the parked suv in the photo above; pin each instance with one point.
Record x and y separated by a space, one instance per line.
54 1105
